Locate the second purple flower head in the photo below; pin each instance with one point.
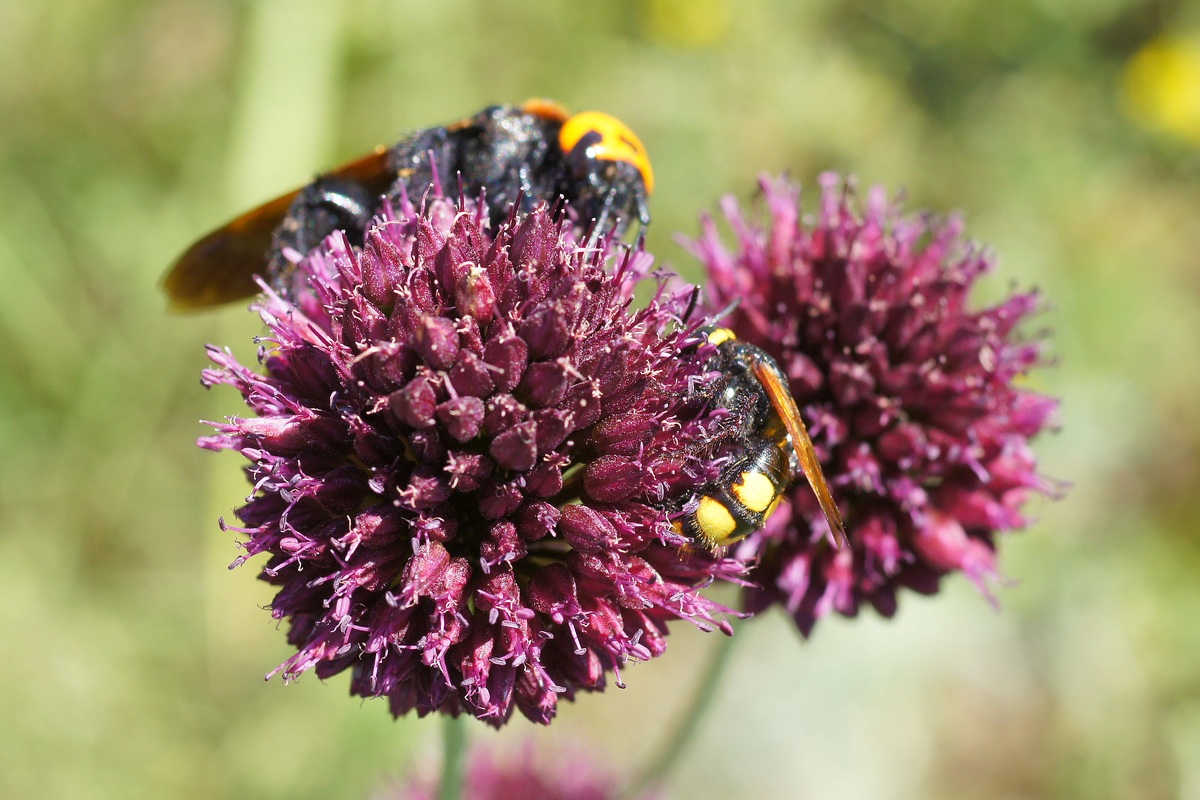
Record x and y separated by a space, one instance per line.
913 397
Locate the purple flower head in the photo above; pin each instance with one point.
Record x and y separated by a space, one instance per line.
463 449
523 776
909 394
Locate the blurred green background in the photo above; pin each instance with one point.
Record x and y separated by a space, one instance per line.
1067 131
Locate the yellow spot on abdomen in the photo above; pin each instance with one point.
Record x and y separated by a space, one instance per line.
771 508
714 520
755 491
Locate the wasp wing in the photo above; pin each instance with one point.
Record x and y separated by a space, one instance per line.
220 267
781 398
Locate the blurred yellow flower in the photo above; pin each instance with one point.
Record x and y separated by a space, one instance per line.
695 24
1162 86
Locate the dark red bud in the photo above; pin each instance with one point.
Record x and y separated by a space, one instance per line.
585 410
516 448
424 573
281 436
534 240
388 368
417 296
462 416
503 544
416 403
586 529
503 412
537 520
382 272
474 295
507 356
500 500
427 445
545 383
371 445
436 340
552 591
624 434
341 489
427 487
610 479
378 526
552 427
544 480
469 336
427 245
471 376
468 470
545 331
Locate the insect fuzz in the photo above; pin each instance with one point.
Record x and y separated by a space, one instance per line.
515 157
767 445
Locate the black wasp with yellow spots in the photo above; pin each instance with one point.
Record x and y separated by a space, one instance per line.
770 450
521 155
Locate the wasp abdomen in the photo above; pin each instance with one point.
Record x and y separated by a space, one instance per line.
739 503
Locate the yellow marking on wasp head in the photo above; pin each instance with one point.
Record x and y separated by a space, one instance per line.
617 142
719 336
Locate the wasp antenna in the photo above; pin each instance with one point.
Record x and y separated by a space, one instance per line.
693 301
727 310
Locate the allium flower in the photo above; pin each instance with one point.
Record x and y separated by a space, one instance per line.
908 393
522 776
463 447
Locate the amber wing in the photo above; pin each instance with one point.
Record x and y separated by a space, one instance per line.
220 267
781 398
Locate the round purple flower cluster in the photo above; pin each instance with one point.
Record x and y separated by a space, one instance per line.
463 454
910 394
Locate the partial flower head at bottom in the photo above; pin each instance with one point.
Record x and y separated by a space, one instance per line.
912 396
522 775
461 450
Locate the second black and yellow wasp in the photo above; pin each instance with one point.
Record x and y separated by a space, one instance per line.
770 449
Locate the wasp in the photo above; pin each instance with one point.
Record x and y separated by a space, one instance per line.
770 449
513 156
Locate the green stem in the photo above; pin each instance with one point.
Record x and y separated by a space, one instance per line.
454 742
666 759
